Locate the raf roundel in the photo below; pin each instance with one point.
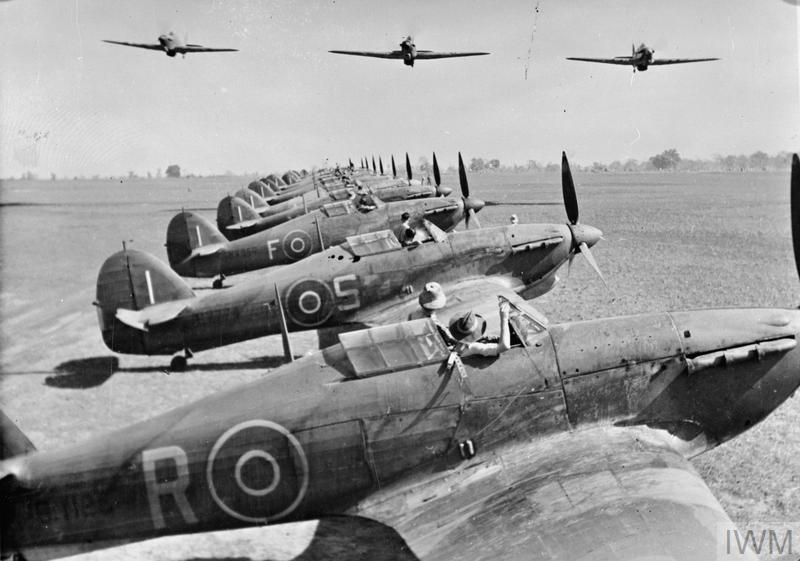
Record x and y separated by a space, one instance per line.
309 302
257 471
297 244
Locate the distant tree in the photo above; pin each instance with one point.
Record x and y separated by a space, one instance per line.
131 175
173 171
552 167
52 176
668 159
758 160
149 175
493 164
423 165
476 164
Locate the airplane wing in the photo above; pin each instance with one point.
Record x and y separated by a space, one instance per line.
600 493
662 61
429 55
374 54
151 46
625 61
201 49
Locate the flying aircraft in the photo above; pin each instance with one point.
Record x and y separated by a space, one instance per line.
573 444
146 308
408 53
171 45
641 58
197 249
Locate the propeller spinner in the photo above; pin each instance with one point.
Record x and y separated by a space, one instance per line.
471 204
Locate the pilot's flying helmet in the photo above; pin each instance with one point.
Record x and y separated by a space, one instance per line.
432 297
469 327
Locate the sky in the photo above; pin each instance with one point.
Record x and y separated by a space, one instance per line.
73 105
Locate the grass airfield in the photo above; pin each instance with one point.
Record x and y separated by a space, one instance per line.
672 241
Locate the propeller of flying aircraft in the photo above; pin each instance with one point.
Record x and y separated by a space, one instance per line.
471 204
441 190
580 233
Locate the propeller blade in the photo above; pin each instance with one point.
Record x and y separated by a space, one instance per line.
374 169
394 169
408 169
795 204
471 217
568 189
380 162
584 249
437 178
462 177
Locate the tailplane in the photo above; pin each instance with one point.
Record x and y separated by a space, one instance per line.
261 189
190 233
133 280
13 441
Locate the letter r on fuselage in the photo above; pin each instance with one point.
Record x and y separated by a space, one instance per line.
175 487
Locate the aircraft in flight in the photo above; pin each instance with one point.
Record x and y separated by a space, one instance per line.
144 307
408 53
575 443
171 45
196 248
641 59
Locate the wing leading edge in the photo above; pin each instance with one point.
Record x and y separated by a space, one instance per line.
151 46
663 61
430 55
618 60
373 54
202 49
600 494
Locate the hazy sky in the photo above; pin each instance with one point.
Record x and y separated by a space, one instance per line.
73 105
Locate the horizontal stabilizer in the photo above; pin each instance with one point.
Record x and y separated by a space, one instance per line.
13 441
153 315
242 225
206 250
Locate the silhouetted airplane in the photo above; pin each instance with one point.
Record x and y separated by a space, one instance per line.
408 52
172 45
641 58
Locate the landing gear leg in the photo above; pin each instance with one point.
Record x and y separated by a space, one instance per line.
218 282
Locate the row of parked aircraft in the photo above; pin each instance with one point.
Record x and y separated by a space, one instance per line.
572 442
640 58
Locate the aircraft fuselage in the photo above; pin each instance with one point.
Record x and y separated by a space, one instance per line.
314 438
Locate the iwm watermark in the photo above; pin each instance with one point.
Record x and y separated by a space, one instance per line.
765 541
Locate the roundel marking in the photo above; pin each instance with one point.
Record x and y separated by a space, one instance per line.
309 302
241 499
297 244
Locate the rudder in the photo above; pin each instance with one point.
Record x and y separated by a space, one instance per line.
233 210
186 232
133 280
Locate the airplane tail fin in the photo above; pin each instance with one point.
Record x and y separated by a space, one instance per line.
186 232
133 280
262 189
13 441
233 210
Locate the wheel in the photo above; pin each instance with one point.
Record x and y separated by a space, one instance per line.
217 283
178 363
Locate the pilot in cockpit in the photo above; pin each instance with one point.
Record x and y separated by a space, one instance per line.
364 201
469 330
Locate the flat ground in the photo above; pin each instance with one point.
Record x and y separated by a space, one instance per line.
673 241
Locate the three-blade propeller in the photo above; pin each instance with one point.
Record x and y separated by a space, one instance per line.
441 190
471 204
580 234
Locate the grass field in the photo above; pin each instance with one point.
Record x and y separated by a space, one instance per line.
673 241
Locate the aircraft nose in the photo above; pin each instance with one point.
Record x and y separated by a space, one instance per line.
586 234
474 204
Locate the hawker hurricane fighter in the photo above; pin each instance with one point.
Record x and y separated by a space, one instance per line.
171 45
196 248
408 53
146 308
641 58
236 220
574 443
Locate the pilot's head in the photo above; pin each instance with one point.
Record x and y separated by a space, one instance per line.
432 297
468 328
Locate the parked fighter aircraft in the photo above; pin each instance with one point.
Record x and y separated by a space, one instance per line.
641 58
197 249
408 53
171 45
236 221
572 444
145 308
